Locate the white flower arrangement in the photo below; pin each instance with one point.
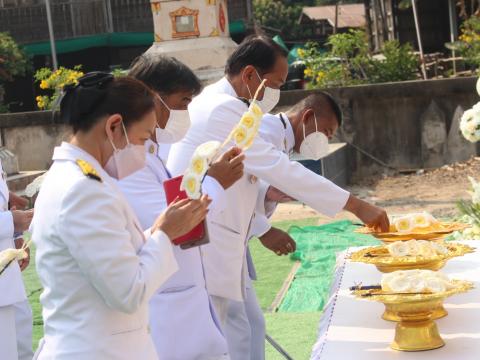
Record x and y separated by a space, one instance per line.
413 281
416 221
34 187
199 165
470 211
470 123
422 248
242 134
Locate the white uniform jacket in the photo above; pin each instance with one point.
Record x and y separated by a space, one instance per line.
11 283
97 267
181 318
214 113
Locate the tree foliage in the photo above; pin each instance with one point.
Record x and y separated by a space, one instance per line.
13 62
348 62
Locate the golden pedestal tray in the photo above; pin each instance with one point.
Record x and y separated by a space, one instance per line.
381 258
434 232
438 312
416 330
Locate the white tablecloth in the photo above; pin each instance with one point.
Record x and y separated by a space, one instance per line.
353 329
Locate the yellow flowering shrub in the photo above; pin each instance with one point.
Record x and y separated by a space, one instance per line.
468 44
53 82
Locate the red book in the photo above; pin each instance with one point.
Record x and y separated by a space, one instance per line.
198 235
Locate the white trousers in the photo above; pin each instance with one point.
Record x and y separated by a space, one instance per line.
16 332
24 328
243 324
220 306
8 335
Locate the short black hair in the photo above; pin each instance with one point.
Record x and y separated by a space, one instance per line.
164 74
317 101
257 50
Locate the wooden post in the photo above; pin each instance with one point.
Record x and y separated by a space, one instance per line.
368 20
335 28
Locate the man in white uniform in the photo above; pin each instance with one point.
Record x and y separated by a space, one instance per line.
245 326
181 318
214 113
15 312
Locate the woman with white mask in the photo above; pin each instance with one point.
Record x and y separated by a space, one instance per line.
182 321
97 266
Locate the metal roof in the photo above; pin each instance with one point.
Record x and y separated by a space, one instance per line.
349 16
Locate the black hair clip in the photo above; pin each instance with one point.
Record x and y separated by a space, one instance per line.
95 79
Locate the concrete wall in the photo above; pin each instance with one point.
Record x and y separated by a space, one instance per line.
408 125
31 137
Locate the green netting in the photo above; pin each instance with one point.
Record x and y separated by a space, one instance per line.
317 247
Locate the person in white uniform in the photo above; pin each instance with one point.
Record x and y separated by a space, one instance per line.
214 113
285 132
15 312
98 268
181 319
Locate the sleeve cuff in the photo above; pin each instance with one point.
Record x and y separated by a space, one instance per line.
216 192
166 249
7 227
342 196
260 225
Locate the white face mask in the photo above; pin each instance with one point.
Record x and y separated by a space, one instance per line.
126 161
270 97
315 145
177 126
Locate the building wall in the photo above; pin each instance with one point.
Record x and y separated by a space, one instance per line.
408 125
32 137
27 20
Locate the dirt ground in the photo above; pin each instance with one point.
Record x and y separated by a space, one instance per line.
435 191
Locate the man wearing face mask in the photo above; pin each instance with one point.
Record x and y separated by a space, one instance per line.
181 308
214 113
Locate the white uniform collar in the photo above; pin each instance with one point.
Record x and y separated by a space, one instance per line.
67 151
289 136
226 87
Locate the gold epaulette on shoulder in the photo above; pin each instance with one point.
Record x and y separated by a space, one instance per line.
88 170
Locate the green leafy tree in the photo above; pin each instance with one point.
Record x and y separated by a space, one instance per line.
400 64
348 62
277 15
13 62
344 64
468 44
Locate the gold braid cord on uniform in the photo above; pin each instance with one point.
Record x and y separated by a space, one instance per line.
88 170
